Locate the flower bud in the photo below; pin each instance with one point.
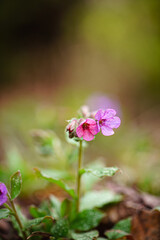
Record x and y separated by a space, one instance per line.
84 111
92 114
71 128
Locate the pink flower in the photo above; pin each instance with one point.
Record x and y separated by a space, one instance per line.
106 121
87 129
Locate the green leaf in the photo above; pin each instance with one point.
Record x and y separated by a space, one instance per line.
101 238
121 229
56 173
124 225
98 199
4 213
44 206
101 172
48 223
85 236
56 205
33 222
87 220
89 180
36 212
57 181
73 210
38 233
16 184
36 221
115 234
60 228
65 207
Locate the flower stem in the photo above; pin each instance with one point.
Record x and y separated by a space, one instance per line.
79 175
17 217
7 206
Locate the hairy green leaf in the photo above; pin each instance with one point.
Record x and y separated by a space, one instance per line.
36 221
98 199
48 223
60 228
87 220
101 172
85 236
4 213
56 181
16 184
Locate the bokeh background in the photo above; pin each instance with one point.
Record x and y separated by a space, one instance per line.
57 55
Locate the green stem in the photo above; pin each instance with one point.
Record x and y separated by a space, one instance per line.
7 206
17 217
79 175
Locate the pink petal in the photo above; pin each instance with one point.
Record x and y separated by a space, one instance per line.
93 128
113 122
79 131
88 136
109 113
81 121
99 114
106 131
90 121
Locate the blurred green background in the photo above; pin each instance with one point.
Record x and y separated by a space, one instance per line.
58 55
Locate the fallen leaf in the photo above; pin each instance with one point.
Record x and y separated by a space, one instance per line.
146 225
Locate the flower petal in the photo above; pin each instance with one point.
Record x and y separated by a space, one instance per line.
3 188
99 114
90 121
3 193
98 126
93 128
113 122
88 136
109 113
3 199
106 131
80 131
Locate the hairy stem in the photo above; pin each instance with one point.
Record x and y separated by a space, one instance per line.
79 175
17 217
7 206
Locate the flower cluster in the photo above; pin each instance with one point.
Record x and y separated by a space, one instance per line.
92 123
